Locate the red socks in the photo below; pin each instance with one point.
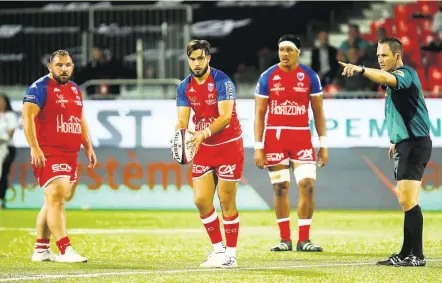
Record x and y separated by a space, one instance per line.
211 223
304 229
63 243
284 229
231 228
42 245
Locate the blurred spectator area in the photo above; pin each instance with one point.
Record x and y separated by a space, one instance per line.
145 43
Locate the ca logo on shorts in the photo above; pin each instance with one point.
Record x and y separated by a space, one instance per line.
226 170
305 154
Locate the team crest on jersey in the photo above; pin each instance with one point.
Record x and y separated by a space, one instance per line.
74 89
300 76
210 86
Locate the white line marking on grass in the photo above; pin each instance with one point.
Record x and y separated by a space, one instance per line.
254 230
162 272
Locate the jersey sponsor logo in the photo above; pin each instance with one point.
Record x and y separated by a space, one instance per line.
62 167
211 99
277 87
74 89
276 78
56 90
287 108
29 97
61 100
305 154
71 126
300 89
193 101
210 86
227 170
229 90
400 73
300 76
275 156
200 169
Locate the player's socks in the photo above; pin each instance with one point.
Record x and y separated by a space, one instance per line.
407 244
284 229
231 229
415 223
42 245
211 223
304 230
62 244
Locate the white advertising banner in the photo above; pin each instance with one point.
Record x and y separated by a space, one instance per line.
151 123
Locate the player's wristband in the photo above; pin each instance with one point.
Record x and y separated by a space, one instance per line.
362 71
323 142
259 145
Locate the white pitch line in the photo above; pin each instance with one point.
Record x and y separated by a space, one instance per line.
162 272
255 230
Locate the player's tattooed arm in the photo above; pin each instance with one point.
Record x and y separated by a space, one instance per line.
183 117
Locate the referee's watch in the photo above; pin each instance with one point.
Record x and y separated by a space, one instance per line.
363 70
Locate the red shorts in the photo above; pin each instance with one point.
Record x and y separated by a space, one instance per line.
57 166
284 145
226 160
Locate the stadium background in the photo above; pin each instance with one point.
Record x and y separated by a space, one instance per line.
134 216
131 130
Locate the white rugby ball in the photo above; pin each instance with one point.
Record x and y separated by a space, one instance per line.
182 152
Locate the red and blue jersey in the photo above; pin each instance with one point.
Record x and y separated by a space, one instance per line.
58 124
203 99
289 95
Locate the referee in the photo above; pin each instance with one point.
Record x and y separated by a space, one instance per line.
408 126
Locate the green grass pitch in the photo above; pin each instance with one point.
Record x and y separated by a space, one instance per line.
168 246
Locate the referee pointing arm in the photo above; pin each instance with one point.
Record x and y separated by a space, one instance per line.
409 130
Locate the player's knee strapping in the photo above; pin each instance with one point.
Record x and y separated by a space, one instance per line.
303 171
279 176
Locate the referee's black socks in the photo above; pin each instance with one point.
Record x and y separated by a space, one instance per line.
413 229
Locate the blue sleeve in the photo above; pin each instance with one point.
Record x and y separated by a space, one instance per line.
262 88
225 88
404 78
35 95
315 82
181 98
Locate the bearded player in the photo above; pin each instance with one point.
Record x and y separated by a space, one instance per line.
283 141
55 128
220 154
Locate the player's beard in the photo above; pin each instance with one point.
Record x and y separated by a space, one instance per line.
201 73
61 79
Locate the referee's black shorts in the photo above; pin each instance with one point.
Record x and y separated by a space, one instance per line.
411 157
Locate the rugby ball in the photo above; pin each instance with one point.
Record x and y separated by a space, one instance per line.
182 152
